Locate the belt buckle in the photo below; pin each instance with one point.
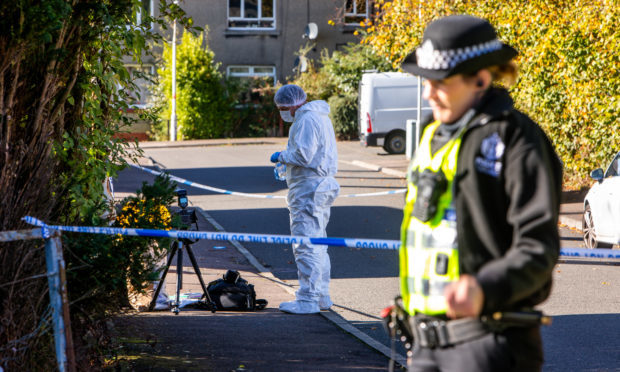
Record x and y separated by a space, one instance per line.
433 333
428 335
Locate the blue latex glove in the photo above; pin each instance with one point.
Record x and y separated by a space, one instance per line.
275 156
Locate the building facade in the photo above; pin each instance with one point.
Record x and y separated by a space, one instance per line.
261 38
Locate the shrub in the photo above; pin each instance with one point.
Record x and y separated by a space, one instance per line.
316 83
149 209
101 267
106 263
343 112
568 59
345 68
203 105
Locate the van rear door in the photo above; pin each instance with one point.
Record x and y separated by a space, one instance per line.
363 111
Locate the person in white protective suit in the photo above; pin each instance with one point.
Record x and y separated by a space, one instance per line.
311 163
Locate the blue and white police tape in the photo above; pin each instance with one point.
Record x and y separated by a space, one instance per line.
590 253
222 236
281 239
205 187
261 196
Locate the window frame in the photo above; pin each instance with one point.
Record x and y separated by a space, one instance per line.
258 19
611 170
366 15
251 72
138 15
143 103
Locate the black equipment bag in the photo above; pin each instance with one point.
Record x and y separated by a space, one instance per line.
234 293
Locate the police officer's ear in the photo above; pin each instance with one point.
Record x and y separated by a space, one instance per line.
484 79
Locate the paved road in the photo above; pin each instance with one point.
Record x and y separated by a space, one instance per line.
364 281
585 299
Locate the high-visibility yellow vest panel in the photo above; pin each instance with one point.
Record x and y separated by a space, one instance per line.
428 253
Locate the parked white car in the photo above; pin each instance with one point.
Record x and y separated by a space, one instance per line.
601 208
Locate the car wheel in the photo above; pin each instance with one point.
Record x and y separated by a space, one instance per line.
589 232
395 143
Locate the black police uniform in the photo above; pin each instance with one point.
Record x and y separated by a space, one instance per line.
507 194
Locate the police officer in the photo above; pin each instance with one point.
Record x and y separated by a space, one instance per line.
479 233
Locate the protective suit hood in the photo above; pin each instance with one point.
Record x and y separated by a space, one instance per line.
320 107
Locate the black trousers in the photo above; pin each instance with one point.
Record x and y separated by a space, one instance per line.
515 349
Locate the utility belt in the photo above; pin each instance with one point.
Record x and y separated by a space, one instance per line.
433 332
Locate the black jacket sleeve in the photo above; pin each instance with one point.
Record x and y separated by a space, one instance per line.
520 273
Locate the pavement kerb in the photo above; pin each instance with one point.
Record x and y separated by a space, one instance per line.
570 223
376 168
213 142
330 315
571 215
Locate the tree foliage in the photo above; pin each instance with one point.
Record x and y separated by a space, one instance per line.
60 106
203 105
568 58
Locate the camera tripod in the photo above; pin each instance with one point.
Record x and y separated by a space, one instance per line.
177 247
187 217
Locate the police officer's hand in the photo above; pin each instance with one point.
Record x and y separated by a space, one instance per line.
464 297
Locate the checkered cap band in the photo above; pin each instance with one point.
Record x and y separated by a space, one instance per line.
431 59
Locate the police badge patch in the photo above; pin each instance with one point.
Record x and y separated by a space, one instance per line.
492 149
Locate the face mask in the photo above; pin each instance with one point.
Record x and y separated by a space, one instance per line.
286 116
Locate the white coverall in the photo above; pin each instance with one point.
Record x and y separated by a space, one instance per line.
311 161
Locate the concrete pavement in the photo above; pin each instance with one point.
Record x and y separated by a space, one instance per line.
265 340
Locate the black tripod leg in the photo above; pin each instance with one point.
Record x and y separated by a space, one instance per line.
161 281
197 271
175 309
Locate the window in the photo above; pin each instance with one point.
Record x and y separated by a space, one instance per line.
254 14
247 72
614 167
139 14
356 11
141 76
251 80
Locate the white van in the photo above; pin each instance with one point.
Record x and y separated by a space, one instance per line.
386 101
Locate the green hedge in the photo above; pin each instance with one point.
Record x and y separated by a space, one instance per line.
343 112
203 107
569 66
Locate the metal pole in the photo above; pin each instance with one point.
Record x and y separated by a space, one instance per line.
63 340
175 310
419 115
173 114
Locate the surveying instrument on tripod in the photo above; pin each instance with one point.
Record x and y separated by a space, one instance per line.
188 221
